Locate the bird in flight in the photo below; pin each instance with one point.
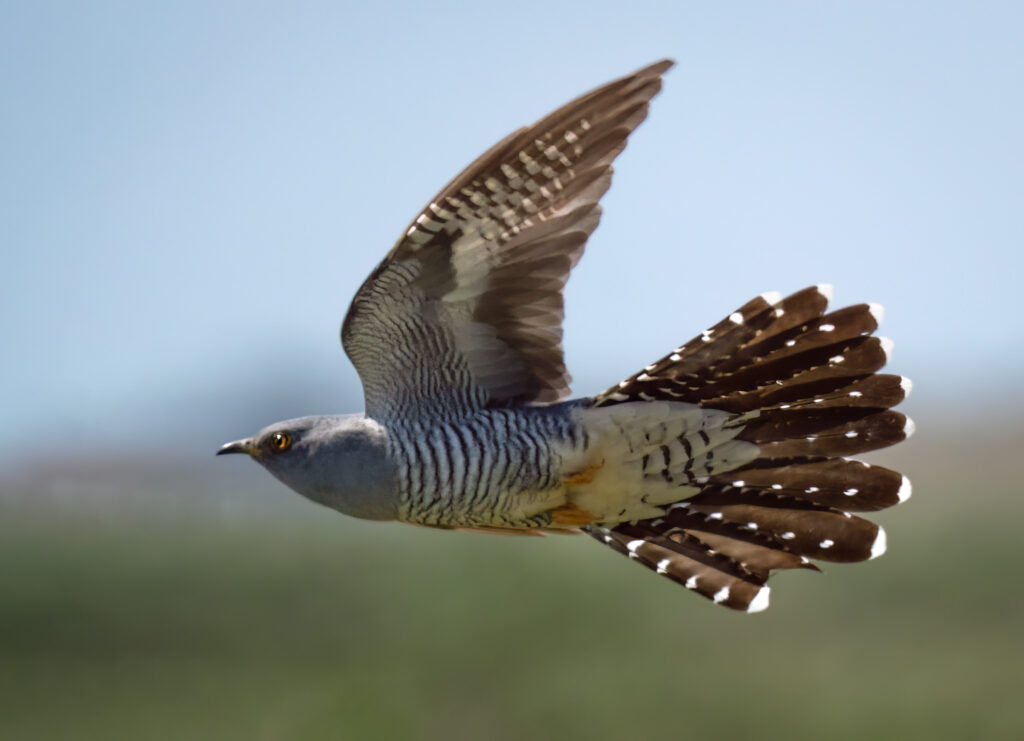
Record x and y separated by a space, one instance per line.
721 463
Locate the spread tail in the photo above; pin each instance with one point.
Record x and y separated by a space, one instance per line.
803 386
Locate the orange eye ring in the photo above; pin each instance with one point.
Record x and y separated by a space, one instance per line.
281 441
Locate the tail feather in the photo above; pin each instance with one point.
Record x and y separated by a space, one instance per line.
802 385
875 391
839 362
697 358
692 563
769 379
810 333
794 525
841 483
871 432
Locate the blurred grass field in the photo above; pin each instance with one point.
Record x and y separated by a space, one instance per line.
181 609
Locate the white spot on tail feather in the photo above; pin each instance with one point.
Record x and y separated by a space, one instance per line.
632 545
909 427
877 311
736 318
826 543
663 566
721 595
827 290
887 346
879 546
905 490
851 492
760 601
907 385
852 433
691 583
788 535
772 297
827 327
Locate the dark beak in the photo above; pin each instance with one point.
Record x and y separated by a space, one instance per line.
238 446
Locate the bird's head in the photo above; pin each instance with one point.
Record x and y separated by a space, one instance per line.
338 461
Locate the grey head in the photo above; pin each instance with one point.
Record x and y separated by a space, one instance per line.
339 461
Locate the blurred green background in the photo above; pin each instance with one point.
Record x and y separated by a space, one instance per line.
189 611
191 192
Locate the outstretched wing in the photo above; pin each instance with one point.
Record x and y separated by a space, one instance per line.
466 309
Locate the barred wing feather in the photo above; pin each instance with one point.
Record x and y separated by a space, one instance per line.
466 309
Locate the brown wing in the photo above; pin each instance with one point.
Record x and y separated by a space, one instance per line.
466 309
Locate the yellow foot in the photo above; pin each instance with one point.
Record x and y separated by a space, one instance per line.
570 514
585 476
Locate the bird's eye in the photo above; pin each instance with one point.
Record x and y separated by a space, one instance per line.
281 441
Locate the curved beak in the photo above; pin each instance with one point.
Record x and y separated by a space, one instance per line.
238 446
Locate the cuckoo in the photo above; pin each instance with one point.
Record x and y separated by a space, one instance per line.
725 461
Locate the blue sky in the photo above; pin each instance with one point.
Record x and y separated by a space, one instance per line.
193 191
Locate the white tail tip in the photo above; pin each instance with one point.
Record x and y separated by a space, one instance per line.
878 312
827 290
905 490
772 297
760 601
907 385
880 544
908 428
